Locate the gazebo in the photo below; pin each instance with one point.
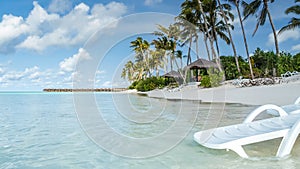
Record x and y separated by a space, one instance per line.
201 64
173 75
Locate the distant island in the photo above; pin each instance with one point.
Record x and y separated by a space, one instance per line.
87 90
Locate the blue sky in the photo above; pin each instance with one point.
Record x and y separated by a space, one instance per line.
41 41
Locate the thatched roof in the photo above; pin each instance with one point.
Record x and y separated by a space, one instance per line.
172 74
202 63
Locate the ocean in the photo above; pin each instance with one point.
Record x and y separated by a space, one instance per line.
113 130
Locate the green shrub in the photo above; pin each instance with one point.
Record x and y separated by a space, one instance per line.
214 78
148 84
205 82
133 85
296 62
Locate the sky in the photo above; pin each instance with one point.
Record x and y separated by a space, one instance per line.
42 42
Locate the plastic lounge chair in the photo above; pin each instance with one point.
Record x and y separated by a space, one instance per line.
233 137
288 108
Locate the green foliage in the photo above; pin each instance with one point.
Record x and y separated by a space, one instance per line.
285 63
148 84
205 82
230 69
265 64
133 85
265 61
213 79
296 62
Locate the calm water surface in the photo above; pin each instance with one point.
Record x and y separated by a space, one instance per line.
41 130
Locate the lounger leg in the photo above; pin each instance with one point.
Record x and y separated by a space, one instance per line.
240 151
288 141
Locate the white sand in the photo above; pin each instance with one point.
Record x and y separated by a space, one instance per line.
281 94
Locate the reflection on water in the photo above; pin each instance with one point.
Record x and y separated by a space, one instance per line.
42 131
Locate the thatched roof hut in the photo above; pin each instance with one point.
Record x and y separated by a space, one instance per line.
202 63
199 65
172 74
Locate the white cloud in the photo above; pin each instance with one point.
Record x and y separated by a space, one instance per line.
287 35
69 64
18 75
152 2
41 29
60 6
11 28
35 75
296 47
33 78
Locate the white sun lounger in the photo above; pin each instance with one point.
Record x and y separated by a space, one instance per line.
235 136
288 108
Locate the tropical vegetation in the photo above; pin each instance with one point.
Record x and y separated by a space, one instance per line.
212 20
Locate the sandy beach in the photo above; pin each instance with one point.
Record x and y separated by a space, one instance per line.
280 94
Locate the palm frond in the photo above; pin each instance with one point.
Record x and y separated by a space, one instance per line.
294 9
224 37
263 16
250 9
294 23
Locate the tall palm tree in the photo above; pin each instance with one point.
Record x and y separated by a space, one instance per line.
141 48
190 18
217 30
161 44
294 22
187 21
262 8
209 35
128 71
237 4
229 33
156 60
169 39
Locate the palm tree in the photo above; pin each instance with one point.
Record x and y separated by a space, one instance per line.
156 60
236 4
210 36
128 71
190 20
187 20
217 30
294 22
161 44
168 41
141 48
263 7
229 32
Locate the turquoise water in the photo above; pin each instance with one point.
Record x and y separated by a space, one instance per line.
41 130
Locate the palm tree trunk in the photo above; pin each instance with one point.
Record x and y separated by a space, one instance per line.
206 46
245 40
165 62
189 60
274 33
231 40
217 45
171 62
197 48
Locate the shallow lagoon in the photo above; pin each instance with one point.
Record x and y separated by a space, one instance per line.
41 130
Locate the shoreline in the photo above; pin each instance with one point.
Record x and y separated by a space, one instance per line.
279 94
